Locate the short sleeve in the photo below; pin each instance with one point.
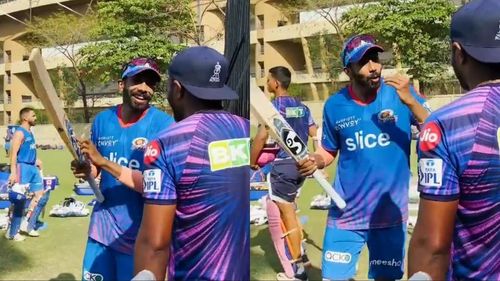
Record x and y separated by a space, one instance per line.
420 99
329 138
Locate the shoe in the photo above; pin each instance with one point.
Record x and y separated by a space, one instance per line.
33 233
298 277
18 237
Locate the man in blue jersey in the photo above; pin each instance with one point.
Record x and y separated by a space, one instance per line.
196 186
119 136
368 122
457 235
285 178
24 174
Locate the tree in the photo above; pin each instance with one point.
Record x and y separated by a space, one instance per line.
417 32
137 28
64 32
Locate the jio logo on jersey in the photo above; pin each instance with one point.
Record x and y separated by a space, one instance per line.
430 137
368 141
152 153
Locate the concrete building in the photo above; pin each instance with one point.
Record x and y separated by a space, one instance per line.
15 87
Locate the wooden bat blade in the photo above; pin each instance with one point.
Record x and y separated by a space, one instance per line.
48 96
286 137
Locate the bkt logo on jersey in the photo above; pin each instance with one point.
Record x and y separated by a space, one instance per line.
122 161
430 172
361 141
430 137
231 153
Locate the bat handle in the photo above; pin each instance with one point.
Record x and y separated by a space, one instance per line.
329 189
97 192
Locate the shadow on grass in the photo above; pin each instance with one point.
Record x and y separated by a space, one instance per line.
64 277
12 259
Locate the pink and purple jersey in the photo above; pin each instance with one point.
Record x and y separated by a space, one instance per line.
373 170
201 165
115 222
459 159
297 115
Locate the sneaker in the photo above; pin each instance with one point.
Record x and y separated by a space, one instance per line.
298 277
18 237
24 225
33 233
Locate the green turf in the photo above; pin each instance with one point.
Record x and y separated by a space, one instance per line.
57 253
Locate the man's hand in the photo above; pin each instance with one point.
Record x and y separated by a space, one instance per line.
90 151
402 85
80 170
308 166
254 167
12 179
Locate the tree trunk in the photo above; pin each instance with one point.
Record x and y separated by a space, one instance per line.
83 94
237 51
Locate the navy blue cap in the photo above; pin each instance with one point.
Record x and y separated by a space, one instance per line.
203 72
476 26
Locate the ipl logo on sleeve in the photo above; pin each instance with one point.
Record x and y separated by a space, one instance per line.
430 172
152 180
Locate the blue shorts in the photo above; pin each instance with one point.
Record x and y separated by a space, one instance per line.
341 249
101 263
29 174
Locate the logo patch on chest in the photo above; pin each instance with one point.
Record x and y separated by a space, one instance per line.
387 116
139 143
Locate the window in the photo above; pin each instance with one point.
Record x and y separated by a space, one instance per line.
9 97
261 46
260 22
26 57
9 117
9 78
26 99
262 70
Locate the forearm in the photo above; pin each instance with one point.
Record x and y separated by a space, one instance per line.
423 257
129 177
323 158
13 163
257 146
149 257
418 111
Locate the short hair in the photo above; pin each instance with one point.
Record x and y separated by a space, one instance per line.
282 74
25 110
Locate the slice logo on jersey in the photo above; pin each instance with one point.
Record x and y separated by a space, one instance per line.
139 143
123 161
387 116
367 141
152 153
430 137
230 153
338 257
89 276
295 112
430 172
151 180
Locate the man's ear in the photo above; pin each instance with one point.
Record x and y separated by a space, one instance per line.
347 71
176 87
458 53
121 86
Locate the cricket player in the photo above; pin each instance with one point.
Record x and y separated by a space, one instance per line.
285 178
368 123
118 141
196 185
457 235
23 168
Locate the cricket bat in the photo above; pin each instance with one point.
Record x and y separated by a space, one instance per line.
46 92
286 137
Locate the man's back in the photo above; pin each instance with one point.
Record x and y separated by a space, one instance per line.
204 164
460 159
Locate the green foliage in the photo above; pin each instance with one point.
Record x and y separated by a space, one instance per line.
41 117
297 90
325 50
137 28
418 32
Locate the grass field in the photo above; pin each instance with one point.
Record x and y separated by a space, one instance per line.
57 253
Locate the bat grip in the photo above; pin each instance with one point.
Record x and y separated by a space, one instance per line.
329 189
97 192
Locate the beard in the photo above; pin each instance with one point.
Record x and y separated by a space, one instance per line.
136 105
366 81
459 76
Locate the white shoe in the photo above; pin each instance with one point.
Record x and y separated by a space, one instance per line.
33 233
24 225
18 237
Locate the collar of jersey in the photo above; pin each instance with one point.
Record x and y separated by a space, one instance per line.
126 125
357 100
